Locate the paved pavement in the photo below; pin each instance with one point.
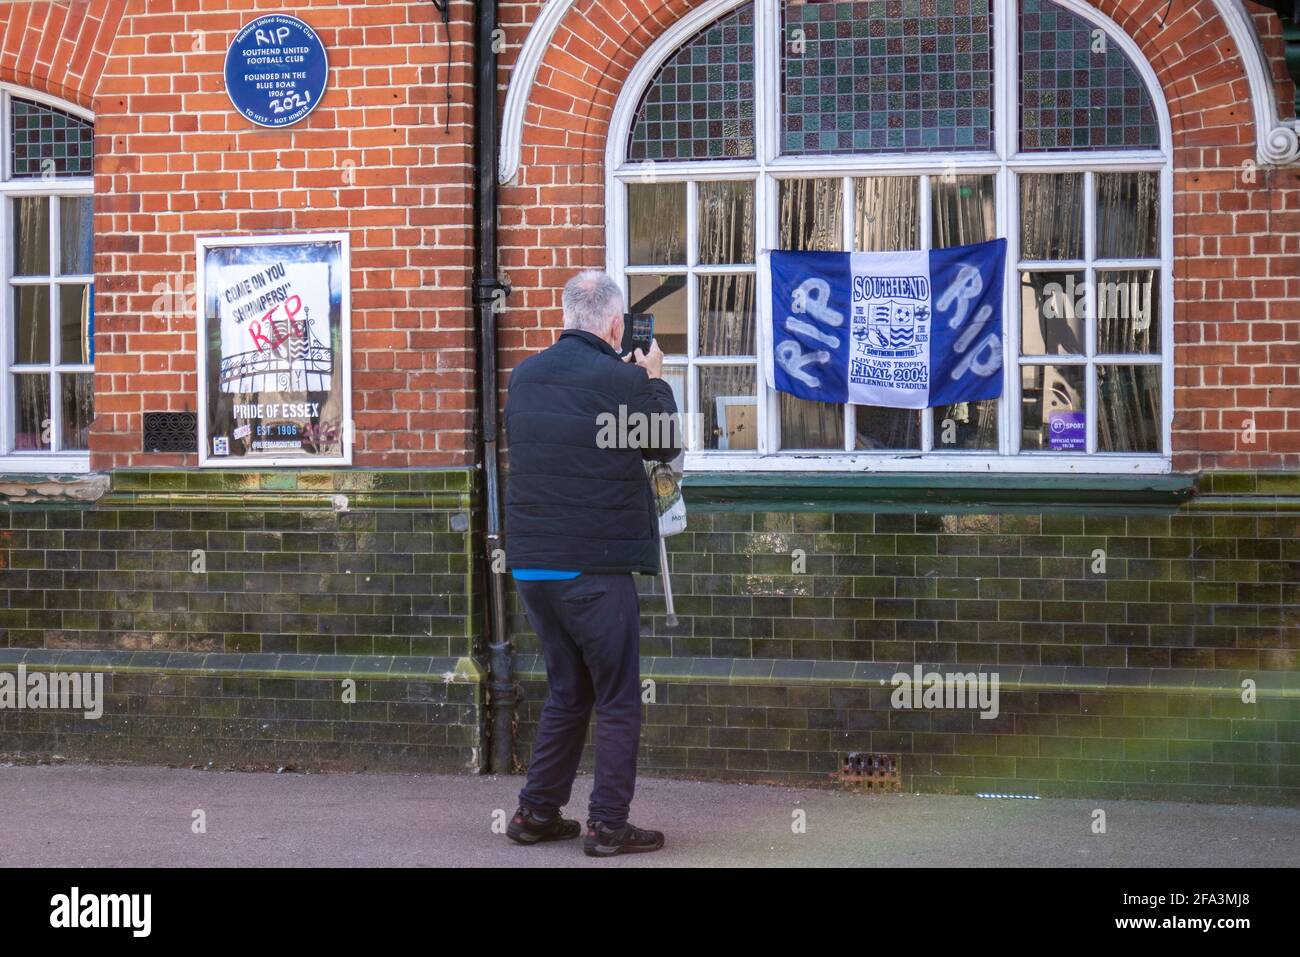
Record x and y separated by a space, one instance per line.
135 816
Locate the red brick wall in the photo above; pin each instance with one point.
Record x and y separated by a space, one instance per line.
376 159
1237 229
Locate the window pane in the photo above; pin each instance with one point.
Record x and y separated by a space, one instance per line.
1051 216
869 76
656 224
31 236
886 214
726 316
74 325
962 210
729 406
811 425
32 422
1052 409
77 407
1128 311
1128 409
879 428
75 235
1128 215
726 222
675 376
700 104
811 215
665 297
1052 309
49 141
1078 89
31 324
967 425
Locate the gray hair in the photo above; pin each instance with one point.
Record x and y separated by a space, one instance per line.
591 300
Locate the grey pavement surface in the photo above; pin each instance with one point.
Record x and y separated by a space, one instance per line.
92 816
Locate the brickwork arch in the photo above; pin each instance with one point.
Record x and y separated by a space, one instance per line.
58 47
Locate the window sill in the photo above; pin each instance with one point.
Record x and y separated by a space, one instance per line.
43 464
46 486
898 491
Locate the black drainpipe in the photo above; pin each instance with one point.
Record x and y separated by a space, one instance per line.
489 296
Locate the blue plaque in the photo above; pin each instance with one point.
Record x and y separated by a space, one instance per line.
276 70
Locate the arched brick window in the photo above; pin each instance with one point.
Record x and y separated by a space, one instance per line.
880 125
46 310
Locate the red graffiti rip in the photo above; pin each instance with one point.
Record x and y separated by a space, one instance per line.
265 343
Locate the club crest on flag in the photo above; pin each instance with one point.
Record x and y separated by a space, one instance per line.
895 324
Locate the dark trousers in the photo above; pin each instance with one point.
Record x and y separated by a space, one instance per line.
591 636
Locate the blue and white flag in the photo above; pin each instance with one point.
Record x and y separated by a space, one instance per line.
906 330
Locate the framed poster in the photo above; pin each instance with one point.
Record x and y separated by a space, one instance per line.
275 350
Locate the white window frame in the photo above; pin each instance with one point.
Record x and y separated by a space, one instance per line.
1006 162
11 460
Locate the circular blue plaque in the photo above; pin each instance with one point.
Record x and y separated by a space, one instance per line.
276 70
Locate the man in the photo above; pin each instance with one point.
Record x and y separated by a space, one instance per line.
580 519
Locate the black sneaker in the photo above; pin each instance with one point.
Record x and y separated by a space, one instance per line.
602 841
529 827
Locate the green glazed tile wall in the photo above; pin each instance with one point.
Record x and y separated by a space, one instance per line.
1106 671
311 577
260 720
1189 590
355 563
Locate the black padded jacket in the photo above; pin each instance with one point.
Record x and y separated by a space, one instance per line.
572 503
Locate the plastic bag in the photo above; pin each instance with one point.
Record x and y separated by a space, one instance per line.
668 499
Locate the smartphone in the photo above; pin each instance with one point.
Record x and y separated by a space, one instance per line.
638 331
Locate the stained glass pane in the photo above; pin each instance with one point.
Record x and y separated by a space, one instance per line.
701 103
49 141
1078 90
880 76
